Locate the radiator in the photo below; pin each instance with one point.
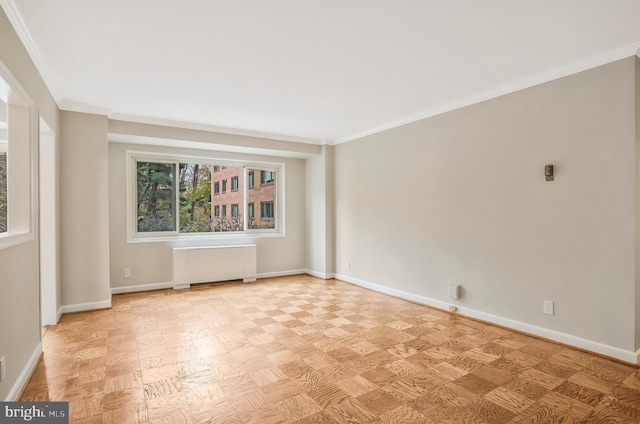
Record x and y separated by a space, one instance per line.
192 265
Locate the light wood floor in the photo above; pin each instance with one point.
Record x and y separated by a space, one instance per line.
304 350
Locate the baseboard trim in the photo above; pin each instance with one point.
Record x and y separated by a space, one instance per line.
324 276
141 288
557 336
25 375
59 315
170 285
280 273
80 307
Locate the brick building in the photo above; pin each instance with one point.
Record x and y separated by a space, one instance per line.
227 198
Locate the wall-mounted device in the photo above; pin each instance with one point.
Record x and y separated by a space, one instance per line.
455 291
548 172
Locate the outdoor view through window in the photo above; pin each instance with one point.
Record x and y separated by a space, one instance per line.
199 208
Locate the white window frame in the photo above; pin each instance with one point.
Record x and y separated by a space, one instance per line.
22 160
133 236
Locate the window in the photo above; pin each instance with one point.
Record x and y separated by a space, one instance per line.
250 179
195 198
175 196
267 177
250 212
266 209
216 168
156 185
17 140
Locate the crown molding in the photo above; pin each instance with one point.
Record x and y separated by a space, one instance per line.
212 128
531 81
10 9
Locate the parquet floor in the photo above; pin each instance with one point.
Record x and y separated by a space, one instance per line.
304 350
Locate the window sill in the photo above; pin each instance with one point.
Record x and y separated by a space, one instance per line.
8 240
211 237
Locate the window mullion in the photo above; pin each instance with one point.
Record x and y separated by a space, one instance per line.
176 196
245 188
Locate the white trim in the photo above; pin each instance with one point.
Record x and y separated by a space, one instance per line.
568 339
527 82
22 230
8 240
204 145
25 375
27 41
324 276
280 273
59 314
141 288
135 156
201 127
394 292
170 285
81 307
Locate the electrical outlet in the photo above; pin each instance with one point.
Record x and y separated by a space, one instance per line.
547 307
3 368
127 272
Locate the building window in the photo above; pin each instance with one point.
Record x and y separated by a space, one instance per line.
250 211
171 197
216 168
266 210
250 179
267 177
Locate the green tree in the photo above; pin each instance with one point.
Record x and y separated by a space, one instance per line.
155 196
195 198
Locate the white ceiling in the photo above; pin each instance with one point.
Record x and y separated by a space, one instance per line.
322 71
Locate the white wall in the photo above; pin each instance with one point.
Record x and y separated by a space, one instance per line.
49 227
84 211
462 198
19 267
150 262
319 247
637 106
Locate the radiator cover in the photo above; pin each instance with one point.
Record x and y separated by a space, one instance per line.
192 265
